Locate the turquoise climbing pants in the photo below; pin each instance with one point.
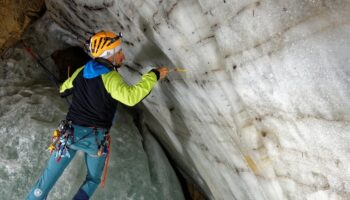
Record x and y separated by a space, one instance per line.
85 139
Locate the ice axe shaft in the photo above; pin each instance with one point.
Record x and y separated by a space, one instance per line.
178 69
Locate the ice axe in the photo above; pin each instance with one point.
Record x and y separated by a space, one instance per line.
178 69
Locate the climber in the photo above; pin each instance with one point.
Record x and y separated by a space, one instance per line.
96 89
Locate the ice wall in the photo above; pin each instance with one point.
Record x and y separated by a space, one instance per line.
263 111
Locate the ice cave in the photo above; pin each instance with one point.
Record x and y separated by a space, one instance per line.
260 111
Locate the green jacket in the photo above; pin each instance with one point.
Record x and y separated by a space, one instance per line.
96 91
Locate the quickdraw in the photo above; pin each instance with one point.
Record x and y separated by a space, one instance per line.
107 150
104 149
62 137
103 146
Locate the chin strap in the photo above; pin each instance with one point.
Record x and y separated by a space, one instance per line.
114 57
115 66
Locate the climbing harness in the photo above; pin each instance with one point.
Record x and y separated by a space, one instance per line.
62 137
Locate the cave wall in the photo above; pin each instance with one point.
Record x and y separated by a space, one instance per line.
263 109
15 18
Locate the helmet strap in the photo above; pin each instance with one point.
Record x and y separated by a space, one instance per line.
115 65
114 57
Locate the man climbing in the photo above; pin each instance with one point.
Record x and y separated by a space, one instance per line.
97 88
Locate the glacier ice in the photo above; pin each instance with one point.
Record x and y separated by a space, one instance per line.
263 111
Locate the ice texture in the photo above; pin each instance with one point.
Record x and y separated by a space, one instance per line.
264 109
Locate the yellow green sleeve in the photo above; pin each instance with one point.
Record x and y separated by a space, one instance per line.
126 94
68 84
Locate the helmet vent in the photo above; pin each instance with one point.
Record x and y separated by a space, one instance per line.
94 46
110 42
104 42
99 44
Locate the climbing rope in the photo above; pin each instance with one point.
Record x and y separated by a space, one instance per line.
50 75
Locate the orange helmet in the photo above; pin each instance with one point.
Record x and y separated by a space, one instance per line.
104 44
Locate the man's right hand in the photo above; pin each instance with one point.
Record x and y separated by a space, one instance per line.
163 72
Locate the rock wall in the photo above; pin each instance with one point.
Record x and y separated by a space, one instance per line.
15 17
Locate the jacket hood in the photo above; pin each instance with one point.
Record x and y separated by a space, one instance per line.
93 69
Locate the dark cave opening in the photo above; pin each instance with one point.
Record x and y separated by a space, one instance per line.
68 60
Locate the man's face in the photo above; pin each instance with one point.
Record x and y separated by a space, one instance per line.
119 57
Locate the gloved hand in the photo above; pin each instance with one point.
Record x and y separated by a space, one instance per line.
163 72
